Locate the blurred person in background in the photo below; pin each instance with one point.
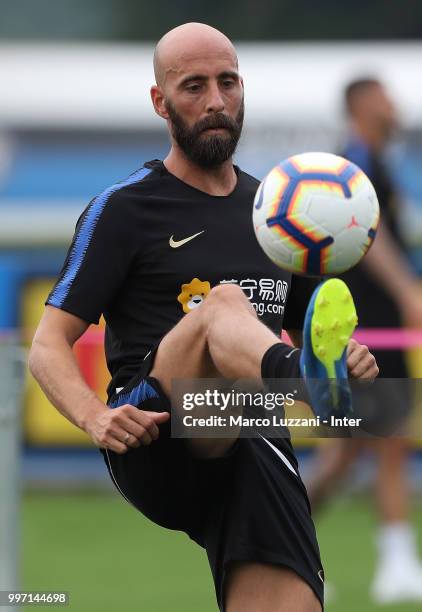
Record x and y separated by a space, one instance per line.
387 295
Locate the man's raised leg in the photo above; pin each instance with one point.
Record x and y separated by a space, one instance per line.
221 338
224 338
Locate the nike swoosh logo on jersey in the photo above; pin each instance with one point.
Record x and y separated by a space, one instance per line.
280 455
175 244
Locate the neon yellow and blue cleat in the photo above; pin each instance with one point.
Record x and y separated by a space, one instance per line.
329 324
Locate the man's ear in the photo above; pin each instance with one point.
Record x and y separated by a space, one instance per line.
158 102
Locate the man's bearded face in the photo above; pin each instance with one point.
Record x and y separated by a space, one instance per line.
207 149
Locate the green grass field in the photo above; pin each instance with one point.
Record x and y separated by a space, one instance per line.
108 557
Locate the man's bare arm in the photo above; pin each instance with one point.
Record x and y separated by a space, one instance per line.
387 264
53 364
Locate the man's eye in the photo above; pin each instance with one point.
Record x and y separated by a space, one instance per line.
228 83
193 88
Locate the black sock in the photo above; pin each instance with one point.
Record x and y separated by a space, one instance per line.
281 361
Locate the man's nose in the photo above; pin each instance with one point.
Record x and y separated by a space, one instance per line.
215 102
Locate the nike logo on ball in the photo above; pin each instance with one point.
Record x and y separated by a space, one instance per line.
175 244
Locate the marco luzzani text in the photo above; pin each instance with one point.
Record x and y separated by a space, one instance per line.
224 401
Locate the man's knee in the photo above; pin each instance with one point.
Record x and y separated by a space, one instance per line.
227 295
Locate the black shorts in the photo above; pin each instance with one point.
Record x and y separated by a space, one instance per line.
250 505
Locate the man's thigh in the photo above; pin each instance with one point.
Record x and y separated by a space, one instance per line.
183 354
253 587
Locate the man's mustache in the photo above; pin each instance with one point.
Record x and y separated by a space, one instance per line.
218 121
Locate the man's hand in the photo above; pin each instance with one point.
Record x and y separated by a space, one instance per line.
360 362
119 429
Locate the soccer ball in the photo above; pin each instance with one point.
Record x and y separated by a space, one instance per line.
315 214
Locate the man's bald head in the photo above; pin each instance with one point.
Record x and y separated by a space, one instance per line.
189 41
199 92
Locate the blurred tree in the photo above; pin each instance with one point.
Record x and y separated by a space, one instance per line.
139 20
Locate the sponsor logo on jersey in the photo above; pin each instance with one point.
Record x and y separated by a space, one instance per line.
267 296
193 294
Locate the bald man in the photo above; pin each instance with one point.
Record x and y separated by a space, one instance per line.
169 257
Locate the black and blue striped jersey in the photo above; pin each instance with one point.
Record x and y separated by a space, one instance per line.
149 249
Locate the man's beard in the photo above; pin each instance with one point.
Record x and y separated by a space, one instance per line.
207 151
